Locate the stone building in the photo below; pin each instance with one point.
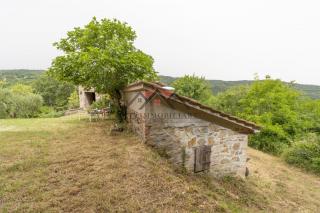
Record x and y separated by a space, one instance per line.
87 97
192 135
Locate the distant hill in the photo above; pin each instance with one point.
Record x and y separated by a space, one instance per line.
27 76
221 86
19 76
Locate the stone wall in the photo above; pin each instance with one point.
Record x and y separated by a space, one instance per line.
136 123
84 100
178 140
176 134
135 114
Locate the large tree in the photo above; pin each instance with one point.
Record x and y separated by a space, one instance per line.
102 55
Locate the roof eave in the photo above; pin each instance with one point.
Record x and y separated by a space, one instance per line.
249 127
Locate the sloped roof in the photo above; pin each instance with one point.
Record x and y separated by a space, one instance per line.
236 122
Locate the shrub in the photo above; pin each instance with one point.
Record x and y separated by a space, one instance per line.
73 100
26 106
50 112
5 102
3 113
305 154
21 89
271 139
102 103
17 105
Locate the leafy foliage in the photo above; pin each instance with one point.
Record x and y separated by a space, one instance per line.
21 89
2 83
219 86
102 103
23 76
19 105
305 154
5 102
229 101
283 111
73 100
272 139
102 55
193 87
269 103
310 111
55 93
50 112
26 106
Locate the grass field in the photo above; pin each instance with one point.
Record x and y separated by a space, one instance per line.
67 165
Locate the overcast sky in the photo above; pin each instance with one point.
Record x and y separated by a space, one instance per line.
218 39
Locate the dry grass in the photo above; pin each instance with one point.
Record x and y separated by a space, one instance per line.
65 165
286 187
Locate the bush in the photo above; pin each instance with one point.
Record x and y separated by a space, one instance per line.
3 113
26 106
50 112
102 103
271 139
17 105
21 89
305 154
73 100
6 102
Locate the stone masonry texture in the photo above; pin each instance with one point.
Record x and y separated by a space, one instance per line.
177 134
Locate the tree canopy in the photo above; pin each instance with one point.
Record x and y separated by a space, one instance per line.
55 93
283 112
102 55
193 87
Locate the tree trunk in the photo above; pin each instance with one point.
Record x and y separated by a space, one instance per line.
120 108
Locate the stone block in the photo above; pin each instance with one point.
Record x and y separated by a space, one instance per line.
211 141
224 161
192 142
236 146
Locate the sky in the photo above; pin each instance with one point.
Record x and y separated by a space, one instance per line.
226 40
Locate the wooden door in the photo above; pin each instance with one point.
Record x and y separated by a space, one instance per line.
202 158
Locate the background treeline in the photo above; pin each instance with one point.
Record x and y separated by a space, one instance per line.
32 93
290 119
218 86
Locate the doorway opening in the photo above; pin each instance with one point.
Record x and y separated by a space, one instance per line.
91 97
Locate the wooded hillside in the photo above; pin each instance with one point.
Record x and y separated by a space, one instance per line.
220 86
27 76
19 76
